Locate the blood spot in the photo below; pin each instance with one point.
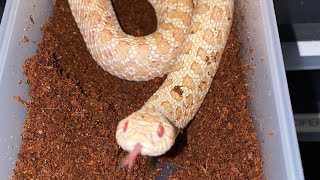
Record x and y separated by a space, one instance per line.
160 130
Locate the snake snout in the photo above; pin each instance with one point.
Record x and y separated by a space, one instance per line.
152 131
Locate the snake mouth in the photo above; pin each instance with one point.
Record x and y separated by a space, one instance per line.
132 156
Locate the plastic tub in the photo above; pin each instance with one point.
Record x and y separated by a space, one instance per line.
270 103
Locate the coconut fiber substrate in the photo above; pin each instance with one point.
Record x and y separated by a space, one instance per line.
70 128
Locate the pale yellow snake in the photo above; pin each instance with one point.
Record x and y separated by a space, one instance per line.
187 45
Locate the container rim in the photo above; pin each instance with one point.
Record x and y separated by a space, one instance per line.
6 26
286 121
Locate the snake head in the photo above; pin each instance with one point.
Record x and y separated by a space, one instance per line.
145 133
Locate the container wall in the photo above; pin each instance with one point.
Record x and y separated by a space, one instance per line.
16 28
270 102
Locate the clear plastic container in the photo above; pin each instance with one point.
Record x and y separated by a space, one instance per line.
270 103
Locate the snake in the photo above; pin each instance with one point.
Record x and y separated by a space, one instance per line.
187 47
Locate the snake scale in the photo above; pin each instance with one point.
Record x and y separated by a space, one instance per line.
187 46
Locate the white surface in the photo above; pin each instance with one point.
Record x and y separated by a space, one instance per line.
309 48
301 55
270 103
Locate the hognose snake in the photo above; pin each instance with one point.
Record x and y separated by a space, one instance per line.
188 45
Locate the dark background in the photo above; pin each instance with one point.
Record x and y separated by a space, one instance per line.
304 86
2 3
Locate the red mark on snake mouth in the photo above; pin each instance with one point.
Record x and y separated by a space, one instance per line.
160 130
125 127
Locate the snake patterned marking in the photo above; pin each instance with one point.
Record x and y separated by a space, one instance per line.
126 56
191 60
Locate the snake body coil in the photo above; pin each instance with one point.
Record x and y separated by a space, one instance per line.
187 45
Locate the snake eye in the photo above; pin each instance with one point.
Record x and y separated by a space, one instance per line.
160 130
125 127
